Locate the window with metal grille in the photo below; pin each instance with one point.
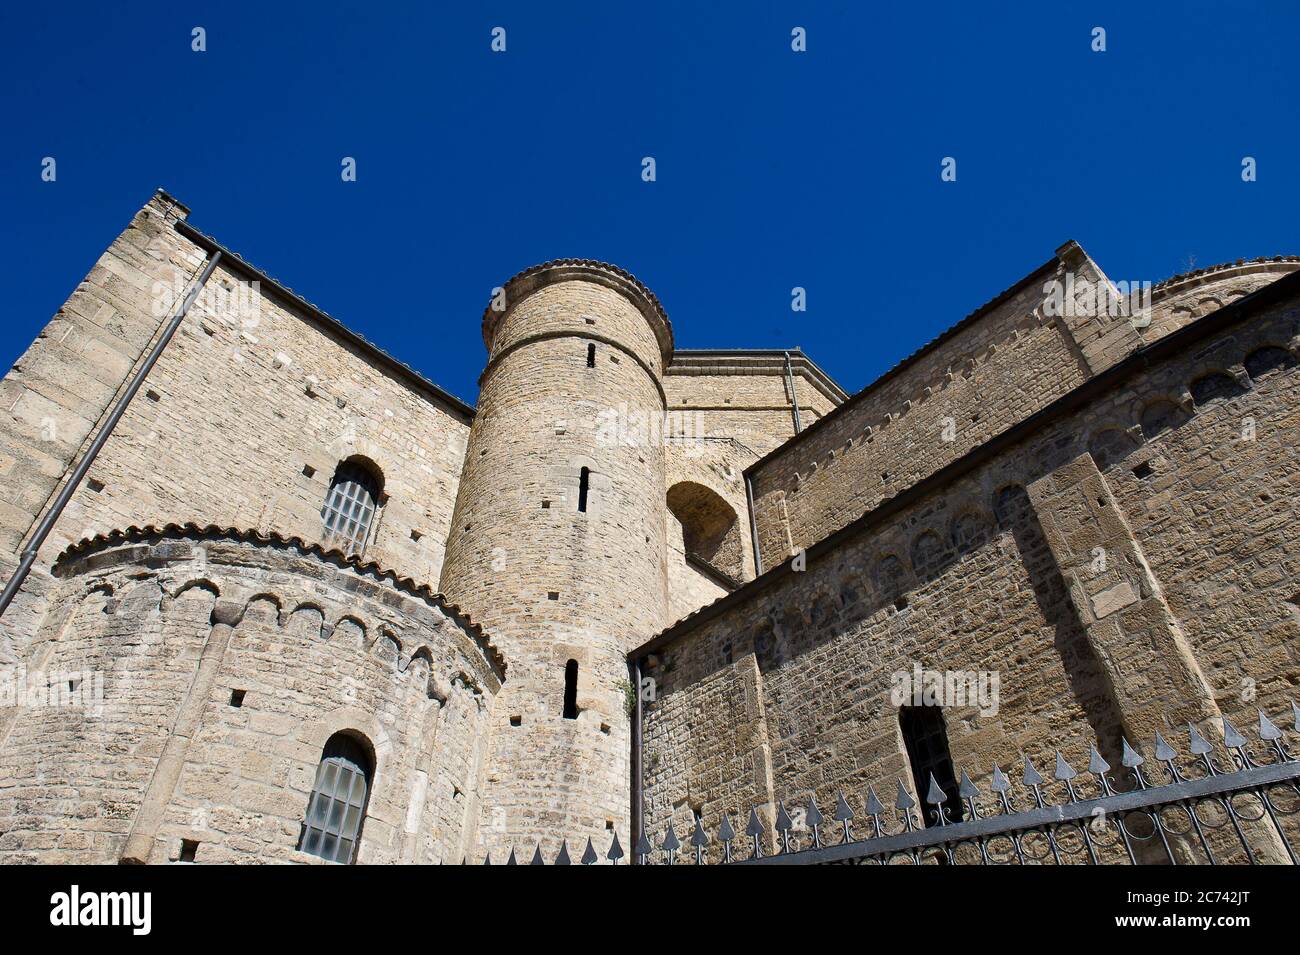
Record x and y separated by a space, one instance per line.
926 739
337 807
350 507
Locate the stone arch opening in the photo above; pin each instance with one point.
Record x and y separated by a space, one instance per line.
1110 445
1212 386
710 527
1264 361
1162 415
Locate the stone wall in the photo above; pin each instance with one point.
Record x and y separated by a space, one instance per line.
994 369
58 391
173 624
997 367
1185 298
726 410
241 423
572 387
745 395
1125 565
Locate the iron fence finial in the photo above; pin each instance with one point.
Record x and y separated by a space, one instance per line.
1267 731
643 847
1199 745
965 788
783 825
1164 752
1031 777
1096 765
813 817
1132 758
1231 738
755 831
725 835
1064 771
671 843
874 806
1000 785
935 795
903 801
843 814
699 837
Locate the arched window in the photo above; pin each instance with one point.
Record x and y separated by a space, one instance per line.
926 739
571 690
336 809
350 506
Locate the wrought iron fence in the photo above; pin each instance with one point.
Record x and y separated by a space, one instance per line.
1212 807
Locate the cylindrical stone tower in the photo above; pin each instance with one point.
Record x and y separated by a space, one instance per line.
557 544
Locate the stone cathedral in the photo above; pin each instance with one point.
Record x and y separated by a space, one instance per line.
306 606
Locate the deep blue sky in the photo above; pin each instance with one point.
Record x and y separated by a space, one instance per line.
775 169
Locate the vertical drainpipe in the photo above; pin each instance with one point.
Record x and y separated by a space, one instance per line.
638 779
794 399
753 526
52 515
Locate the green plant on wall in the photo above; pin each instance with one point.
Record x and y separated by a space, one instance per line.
629 695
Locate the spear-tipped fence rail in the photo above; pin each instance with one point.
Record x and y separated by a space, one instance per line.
1233 805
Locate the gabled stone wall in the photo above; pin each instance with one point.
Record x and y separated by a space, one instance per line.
1127 566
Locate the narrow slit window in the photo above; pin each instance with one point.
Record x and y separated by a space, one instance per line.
571 690
584 479
926 738
591 356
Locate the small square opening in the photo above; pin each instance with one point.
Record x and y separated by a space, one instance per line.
1143 470
237 698
416 535
516 721
189 848
552 595
95 485
308 471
